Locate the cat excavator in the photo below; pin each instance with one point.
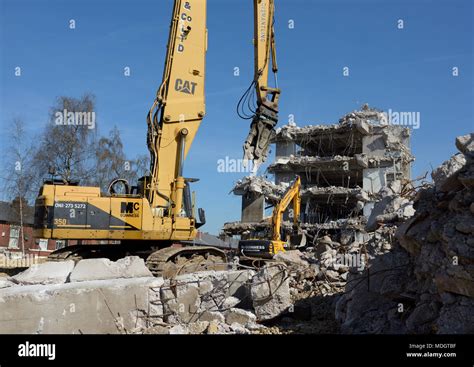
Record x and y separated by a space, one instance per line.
157 217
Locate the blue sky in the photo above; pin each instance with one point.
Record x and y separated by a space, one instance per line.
403 70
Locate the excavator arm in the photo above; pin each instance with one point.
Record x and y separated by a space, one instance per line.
179 107
291 196
265 116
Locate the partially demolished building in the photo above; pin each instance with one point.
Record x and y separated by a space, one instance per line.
342 166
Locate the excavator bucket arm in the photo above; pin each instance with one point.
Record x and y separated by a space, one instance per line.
265 117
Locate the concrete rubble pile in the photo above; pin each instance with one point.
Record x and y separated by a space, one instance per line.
401 260
101 296
409 270
406 267
425 283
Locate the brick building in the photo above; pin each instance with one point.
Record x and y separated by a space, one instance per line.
11 232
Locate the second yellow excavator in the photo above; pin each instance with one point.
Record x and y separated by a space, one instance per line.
266 248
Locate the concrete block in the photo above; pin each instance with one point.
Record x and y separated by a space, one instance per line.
92 307
465 144
50 272
212 316
4 283
190 297
363 127
271 292
100 269
445 177
230 302
198 327
291 258
242 317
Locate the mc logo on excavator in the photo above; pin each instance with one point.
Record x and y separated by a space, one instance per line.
185 86
129 209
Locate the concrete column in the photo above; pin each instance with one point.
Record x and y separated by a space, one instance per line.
284 149
252 207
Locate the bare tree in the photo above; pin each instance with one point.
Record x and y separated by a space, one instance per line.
18 170
67 149
18 183
112 163
67 143
142 165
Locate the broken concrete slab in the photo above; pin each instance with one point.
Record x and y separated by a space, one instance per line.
49 272
212 316
258 185
389 209
239 316
445 176
92 307
187 304
4 283
184 307
100 269
271 291
238 328
465 144
231 302
291 258
363 127
198 327
202 296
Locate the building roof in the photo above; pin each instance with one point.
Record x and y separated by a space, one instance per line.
9 213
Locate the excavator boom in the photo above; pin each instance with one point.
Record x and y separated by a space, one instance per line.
292 195
265 117
179 107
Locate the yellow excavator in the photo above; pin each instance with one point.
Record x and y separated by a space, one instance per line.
264 248
153 218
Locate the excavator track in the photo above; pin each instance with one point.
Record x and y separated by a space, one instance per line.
172 261
79 252
167 262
